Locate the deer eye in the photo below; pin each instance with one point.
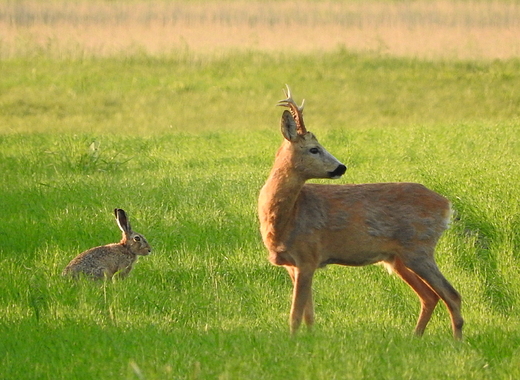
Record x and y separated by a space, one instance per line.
314 150
137 238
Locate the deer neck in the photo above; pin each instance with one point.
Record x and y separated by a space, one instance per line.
276 206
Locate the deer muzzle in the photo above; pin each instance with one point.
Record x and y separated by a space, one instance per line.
338 172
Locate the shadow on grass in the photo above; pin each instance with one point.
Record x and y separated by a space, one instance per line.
483 260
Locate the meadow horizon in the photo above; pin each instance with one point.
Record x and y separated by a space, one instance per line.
420 29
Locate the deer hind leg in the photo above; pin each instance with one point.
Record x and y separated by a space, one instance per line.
428 297
427 270
302 305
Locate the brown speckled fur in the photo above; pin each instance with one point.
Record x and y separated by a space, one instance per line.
105 261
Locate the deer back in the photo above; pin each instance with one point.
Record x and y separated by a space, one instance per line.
364 224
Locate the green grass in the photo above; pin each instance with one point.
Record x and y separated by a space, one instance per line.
81 137
188 92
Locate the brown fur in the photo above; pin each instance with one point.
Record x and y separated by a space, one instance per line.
307 226
107 260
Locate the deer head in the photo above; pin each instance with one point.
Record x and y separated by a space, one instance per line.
308 157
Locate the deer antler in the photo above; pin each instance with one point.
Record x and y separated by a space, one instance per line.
296 112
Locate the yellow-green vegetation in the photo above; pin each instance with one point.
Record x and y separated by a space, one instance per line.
183 141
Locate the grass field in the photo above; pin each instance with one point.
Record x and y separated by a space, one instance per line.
183 141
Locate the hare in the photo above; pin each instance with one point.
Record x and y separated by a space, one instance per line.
107 260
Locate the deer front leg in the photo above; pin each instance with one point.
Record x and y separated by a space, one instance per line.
308 311
302 305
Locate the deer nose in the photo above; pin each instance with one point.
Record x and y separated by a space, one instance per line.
339 171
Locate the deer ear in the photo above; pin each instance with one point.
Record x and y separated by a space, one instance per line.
288 126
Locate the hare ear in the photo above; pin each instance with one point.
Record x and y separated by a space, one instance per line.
122 220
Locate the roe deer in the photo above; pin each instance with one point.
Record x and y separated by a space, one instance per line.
307 226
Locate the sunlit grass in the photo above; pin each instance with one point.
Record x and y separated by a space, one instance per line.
207 303
191 93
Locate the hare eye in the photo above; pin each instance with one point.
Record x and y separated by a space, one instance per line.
137 238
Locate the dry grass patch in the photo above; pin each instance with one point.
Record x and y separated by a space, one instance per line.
424 29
